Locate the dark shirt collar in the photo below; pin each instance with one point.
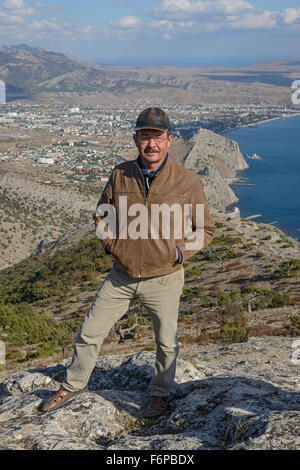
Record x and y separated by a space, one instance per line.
151 173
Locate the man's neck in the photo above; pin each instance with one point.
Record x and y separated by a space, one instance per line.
153 166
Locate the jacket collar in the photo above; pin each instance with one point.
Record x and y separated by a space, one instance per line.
151 173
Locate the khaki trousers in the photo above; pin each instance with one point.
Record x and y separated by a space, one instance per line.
160 296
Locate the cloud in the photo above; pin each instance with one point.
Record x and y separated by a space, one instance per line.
18 7
10 19
182 9
19 20
86 29
128 22
162 25
45 25
291 15
167 19
194 17
264 20
13 4
47 6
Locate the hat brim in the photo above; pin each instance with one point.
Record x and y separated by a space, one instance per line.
156 128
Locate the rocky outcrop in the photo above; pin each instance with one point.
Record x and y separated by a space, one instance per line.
211 148
67 240
241 396
215 158
219 194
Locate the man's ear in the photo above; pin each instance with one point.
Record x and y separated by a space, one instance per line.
170 140
135 137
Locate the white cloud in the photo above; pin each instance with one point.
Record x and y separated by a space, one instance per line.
264 20
128 22
18 7
162 25
10 19
44 25
86 29
214 15
14 4
168 19
291 15
15 22
181 9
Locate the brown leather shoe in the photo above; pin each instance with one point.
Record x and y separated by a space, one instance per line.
157 407
59 399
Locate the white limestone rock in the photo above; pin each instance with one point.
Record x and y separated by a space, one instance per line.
240 396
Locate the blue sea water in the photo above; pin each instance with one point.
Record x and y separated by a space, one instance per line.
276 177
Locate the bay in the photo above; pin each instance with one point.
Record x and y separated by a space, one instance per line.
275 193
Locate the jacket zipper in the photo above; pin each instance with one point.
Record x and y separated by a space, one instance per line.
146 204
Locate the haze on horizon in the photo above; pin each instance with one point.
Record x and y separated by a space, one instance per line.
157 32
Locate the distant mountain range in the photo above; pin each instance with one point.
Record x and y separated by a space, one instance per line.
30 73
23 47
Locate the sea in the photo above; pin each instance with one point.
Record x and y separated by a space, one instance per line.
272 186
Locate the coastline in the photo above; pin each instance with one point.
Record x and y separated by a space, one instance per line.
241 180
271 119
258 123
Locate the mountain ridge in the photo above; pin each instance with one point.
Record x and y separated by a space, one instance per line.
30 73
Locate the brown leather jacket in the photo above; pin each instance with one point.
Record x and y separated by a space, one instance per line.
148 256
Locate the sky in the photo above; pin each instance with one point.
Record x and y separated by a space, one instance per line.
157 32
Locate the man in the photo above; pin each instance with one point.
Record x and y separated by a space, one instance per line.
148 256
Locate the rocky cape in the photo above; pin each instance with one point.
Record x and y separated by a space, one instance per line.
216 159
240 396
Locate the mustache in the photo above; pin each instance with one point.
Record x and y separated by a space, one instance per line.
148 150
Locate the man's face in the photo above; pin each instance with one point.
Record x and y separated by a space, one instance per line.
153 146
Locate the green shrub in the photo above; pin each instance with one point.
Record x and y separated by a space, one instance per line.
44 276
229 255
226 241
289 268
46 349
266 298
295 320
22 326
234 330
230 303
194 271
14 355
248 246
191 292
206 301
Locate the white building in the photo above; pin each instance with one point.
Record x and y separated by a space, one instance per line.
45 160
